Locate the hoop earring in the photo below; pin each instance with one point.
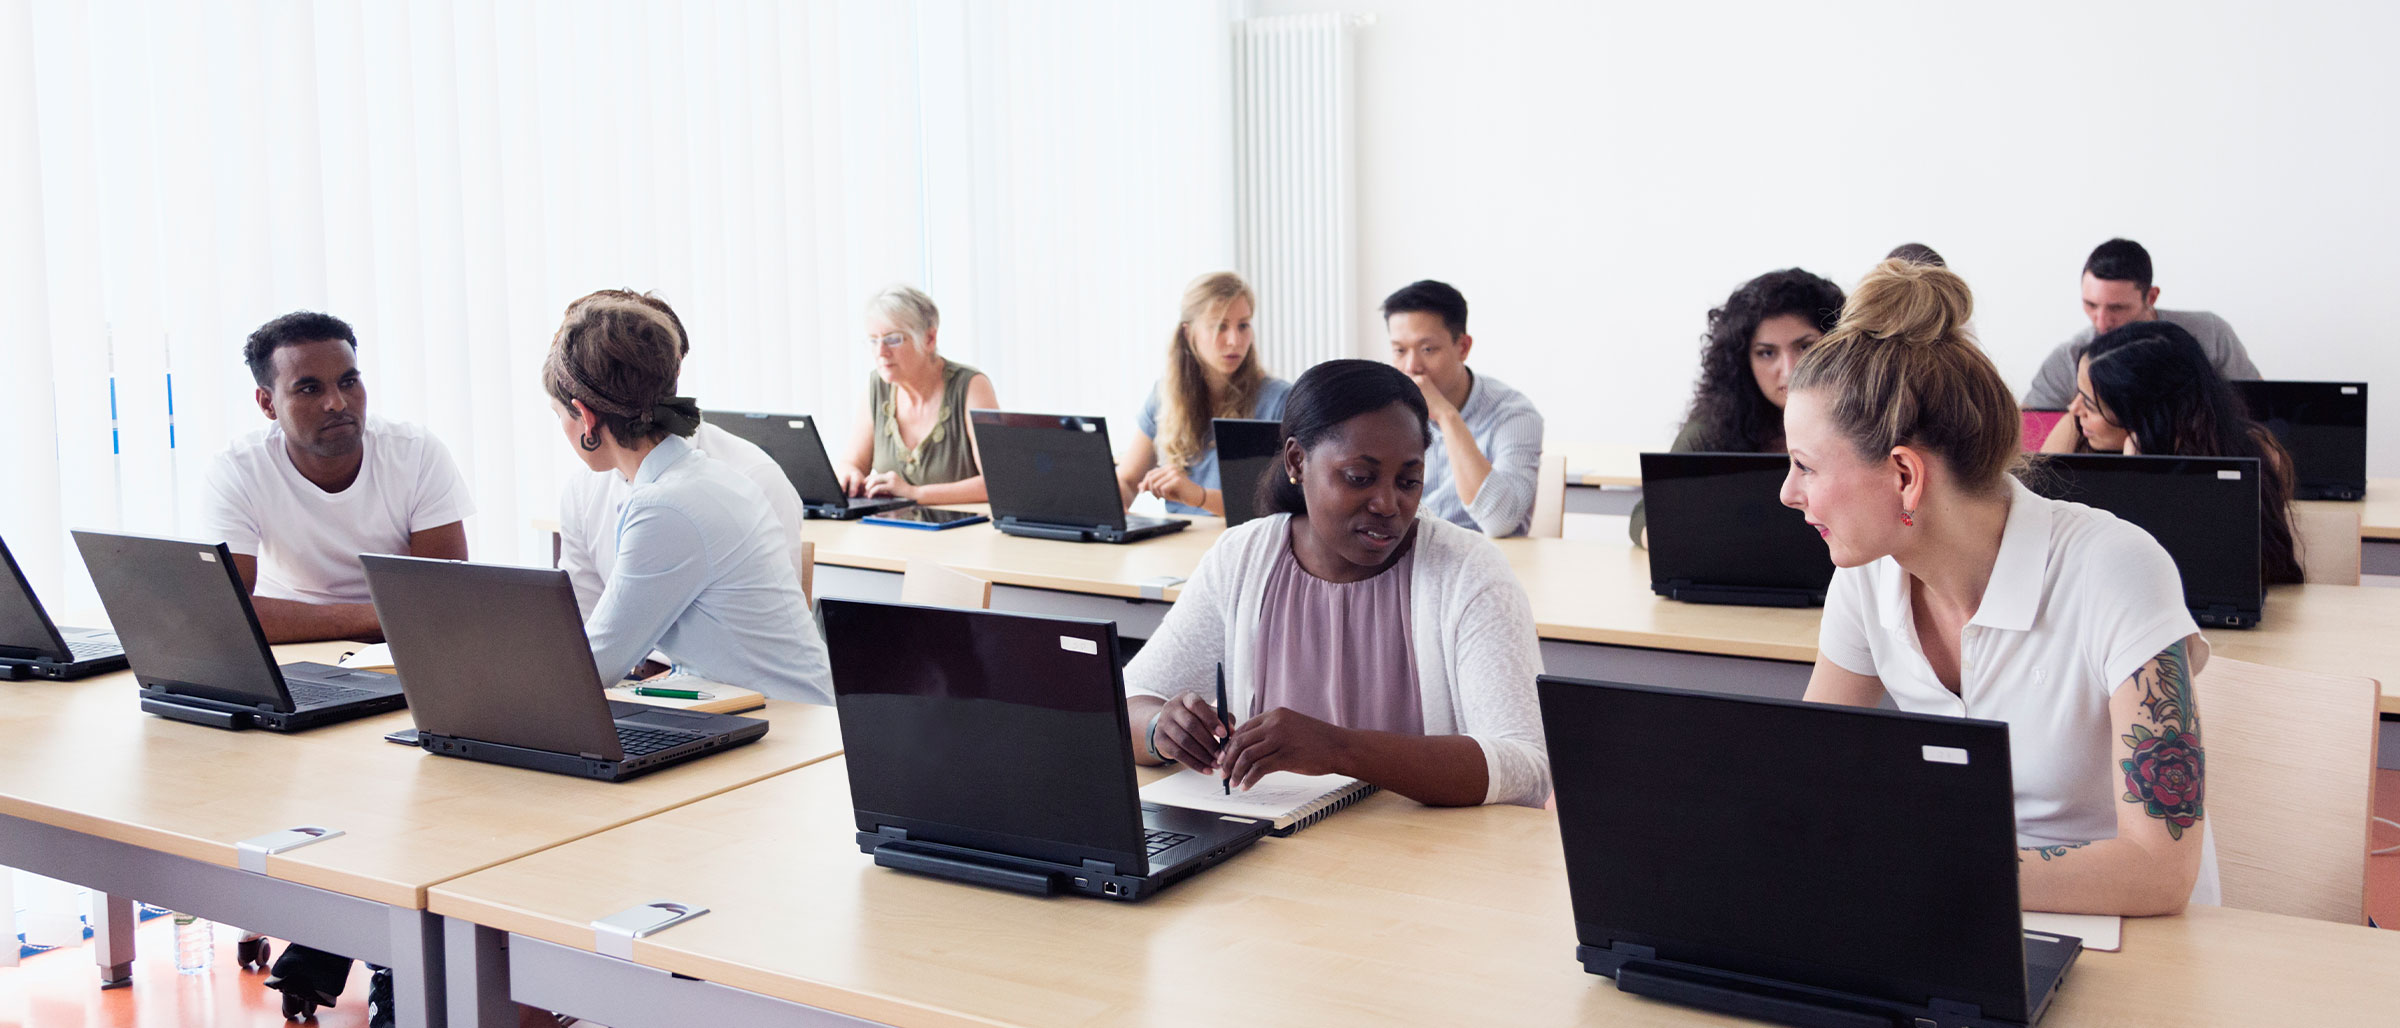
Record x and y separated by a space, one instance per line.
589 442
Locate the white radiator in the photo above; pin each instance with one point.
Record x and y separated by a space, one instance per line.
1295 191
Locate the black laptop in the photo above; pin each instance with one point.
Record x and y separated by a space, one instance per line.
2203 510
1719 532
2324 426
499 670
196 648
34 645
993 749
1247 452
1052 476
792 440
1803 863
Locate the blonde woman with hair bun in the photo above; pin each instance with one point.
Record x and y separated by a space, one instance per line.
1960 592
1213 371
913 439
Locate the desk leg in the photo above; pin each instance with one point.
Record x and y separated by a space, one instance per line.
475 975
113 922
416 963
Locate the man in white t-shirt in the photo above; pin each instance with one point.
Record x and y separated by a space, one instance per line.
589 506
299 500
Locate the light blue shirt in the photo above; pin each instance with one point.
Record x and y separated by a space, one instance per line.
1204 471
1508 431
704 575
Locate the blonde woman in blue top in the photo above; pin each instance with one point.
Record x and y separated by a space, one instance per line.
1213 371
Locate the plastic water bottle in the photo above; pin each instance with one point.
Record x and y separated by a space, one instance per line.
195 944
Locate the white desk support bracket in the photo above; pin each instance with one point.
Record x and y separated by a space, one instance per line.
251 854
613 936
1156 588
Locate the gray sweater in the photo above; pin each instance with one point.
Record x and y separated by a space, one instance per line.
2054 384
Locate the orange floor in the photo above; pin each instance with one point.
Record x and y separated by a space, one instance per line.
58 989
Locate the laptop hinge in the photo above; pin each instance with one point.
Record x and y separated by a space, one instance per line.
1099 867
593 756
889 832
1947 1009
1607 961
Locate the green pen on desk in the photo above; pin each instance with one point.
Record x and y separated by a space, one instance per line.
672 694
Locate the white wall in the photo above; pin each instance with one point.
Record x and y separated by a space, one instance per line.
1596 176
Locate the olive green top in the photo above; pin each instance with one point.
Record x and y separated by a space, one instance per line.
944 454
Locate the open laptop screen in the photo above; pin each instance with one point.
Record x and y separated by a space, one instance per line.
1048 468
25 632
179 608
998 732
793 442
1868 851
1718 520
2204 511
1247 449
2324 425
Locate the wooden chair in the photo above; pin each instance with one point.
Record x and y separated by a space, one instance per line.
1549 519
808 573
2328 540
2290 787
934 585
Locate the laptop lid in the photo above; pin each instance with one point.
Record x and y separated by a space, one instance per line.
493 653
1247 449
2322 424
26 631
1717 519
184 618
2203 510
1049 468
792 440
1004 733
1865 851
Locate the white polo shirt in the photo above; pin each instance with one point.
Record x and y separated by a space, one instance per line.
592 503
2078 601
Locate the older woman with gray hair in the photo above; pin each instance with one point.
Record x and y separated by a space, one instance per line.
912 440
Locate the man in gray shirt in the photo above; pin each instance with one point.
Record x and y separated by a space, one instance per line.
2117 291
1487 438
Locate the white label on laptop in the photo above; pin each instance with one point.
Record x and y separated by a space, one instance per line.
796 423
2229 475
2349 390
207 556
1945 755
1088 427
1075 645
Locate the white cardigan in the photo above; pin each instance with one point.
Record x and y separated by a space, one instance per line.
1476 650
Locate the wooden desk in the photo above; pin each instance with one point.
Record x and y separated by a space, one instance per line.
1592 606
96 792
1388 913
1599 464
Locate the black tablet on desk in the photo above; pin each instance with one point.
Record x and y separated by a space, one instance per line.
928 518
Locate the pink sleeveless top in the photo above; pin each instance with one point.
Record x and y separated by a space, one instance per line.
1340 652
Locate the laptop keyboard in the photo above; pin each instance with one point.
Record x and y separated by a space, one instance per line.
1162 840
311 694
93 649
643 741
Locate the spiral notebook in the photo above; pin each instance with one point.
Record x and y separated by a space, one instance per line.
1291 801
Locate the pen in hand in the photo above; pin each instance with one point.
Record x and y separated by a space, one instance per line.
1224 773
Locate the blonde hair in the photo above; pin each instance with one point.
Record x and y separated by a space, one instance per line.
910 311
1185 406
1902 370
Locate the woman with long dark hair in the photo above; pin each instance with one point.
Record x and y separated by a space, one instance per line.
1746 359
2148 387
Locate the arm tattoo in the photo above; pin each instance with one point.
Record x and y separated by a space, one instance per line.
2164 773
2050 852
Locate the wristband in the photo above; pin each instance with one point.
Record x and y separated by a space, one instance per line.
1152 740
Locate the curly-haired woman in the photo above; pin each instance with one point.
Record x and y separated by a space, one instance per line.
1746 359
